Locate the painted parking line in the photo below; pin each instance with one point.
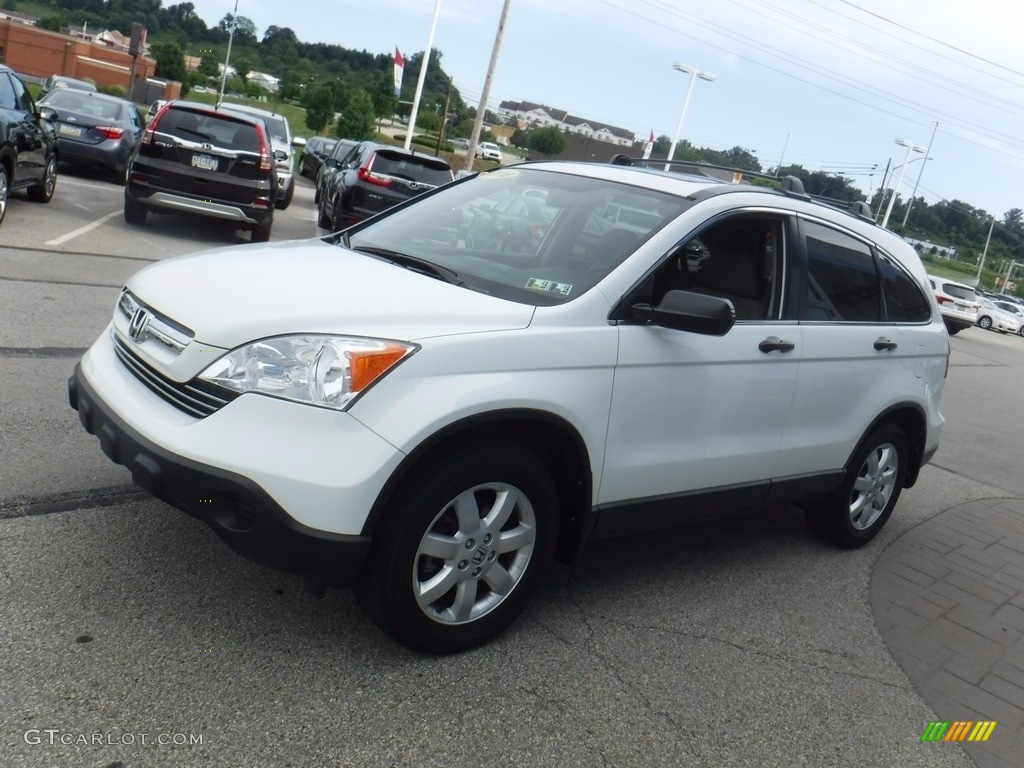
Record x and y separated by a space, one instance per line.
82 230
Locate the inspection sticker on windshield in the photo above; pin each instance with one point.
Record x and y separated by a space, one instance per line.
550 286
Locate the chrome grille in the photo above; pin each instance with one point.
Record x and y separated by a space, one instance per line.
195 398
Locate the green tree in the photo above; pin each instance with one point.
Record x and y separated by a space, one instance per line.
52 22
548 141
384 99
209 66
170 60
357 122
319 103
243 66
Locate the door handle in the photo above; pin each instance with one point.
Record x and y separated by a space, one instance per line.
775 344
882 343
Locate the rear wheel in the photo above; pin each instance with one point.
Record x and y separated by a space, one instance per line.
461 547
134 213
261 234
858 509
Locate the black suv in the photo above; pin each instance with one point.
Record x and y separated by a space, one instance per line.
194 158
28 148
373 177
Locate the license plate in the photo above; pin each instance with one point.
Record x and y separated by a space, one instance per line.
70 130
205 162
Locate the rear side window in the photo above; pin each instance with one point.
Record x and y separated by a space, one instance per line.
905 302
7 98
411 167
842 281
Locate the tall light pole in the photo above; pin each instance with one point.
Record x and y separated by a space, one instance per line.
911 147
227 58
694 74
921 172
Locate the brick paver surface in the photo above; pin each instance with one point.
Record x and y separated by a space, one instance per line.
948 597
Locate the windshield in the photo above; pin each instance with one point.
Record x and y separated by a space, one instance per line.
527 234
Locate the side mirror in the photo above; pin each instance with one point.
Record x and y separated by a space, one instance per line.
692 312
46 113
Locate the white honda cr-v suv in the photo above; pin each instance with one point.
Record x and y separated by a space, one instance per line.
392 408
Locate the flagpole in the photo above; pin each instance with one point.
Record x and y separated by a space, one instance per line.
423 76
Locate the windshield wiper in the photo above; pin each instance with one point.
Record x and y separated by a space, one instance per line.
415 263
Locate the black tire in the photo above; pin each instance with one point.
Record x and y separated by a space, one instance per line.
859 507
283 202
134 212
5 190
504 494
42 192
985 322
319 189
261 234
321 216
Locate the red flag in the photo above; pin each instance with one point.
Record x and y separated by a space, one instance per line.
651 140
399 61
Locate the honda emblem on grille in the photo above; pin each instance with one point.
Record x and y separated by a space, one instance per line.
138 325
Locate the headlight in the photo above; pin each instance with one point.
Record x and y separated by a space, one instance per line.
321 370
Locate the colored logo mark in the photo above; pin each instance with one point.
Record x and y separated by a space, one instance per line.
958 730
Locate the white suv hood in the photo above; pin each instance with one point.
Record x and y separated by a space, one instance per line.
232 296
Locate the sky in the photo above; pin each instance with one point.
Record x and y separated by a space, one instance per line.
831 85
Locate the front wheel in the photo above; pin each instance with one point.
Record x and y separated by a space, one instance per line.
985 322
461 547
285 200
857 510
43 191
5 191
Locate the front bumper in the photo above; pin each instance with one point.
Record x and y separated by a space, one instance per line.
237 508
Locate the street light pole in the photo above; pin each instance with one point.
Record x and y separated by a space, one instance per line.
694 74
911 147
227 58
920 173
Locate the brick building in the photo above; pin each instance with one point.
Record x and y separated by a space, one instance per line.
40 53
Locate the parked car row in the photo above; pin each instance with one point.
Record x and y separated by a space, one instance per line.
962 306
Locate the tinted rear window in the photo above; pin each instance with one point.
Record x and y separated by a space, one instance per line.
961 293
411 167
209 128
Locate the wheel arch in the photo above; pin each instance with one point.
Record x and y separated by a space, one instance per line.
553 440
912 420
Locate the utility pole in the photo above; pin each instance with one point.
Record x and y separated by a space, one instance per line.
920 173
444 118
984 253
474 138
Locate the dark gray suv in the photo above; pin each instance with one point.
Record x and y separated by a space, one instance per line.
28 148
194 158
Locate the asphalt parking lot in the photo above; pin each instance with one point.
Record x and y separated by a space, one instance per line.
134 637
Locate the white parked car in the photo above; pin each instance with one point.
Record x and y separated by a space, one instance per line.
995 318
1015 309
392 408
489 151
957 302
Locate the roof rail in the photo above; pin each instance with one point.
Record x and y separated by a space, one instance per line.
791 186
